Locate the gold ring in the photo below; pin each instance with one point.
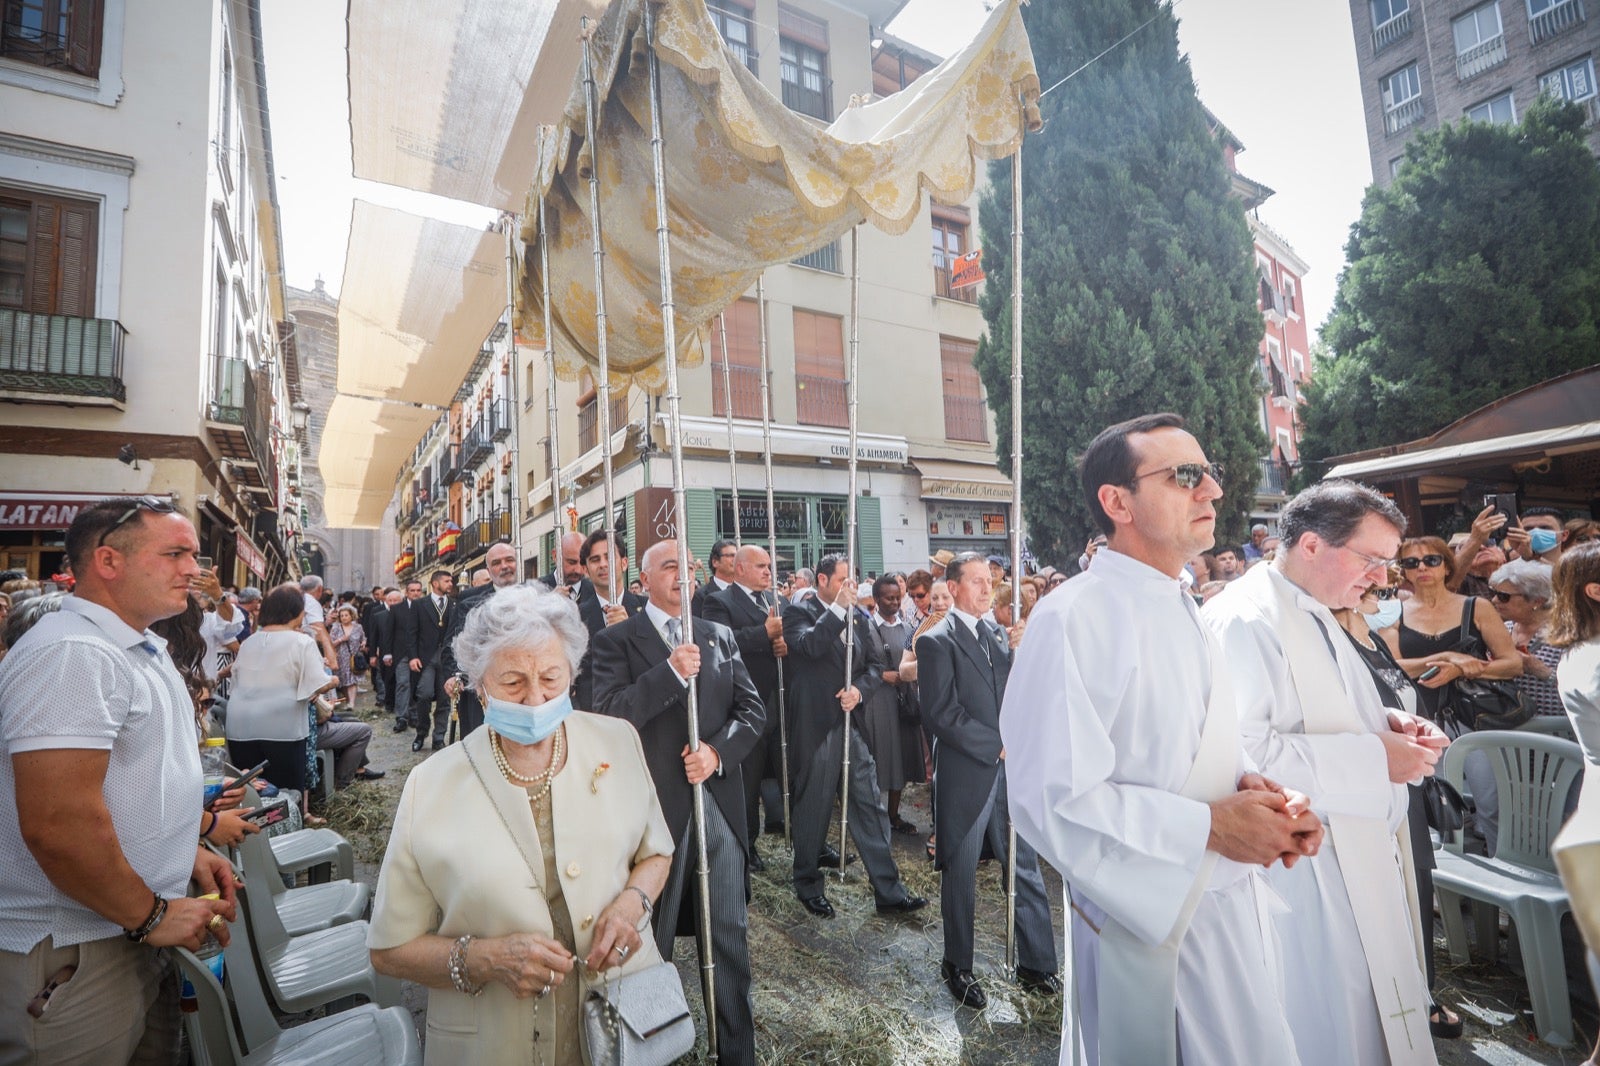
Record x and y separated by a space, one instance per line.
216 922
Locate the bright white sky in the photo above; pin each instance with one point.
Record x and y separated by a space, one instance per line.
1281 74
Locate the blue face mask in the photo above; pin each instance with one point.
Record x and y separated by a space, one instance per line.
1543 540
1387 614
522 724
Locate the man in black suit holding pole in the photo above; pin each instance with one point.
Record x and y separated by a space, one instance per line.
419 645
963 663
641 674
501 562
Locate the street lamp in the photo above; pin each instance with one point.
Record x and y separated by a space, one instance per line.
300 415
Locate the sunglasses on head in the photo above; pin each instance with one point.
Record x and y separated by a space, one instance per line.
1414 561
1187 475
153 504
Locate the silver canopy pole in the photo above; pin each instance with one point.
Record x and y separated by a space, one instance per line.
1016 504
727 409
685 575
510 222
772 543
850 536
550 384
603 378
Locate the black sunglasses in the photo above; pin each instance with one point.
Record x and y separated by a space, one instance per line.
1414 561
208 702
1384 592
1501 597
153 504
1187 475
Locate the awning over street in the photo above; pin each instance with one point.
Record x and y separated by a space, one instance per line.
364 443
947 479
1516 447
446 95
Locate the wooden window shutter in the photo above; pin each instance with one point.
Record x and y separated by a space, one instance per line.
803 28
42 254
77 243
83 41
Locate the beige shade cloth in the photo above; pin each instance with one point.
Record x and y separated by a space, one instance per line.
419 296
446 95
365 442
750 183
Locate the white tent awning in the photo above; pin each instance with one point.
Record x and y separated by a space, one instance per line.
1552 441
364 443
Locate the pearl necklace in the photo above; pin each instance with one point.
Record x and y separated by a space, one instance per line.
544 780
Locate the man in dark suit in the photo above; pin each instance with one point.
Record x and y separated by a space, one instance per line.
748 608
818 706
381 637
370 610
724 562
641 673
501 562
419 645
598 566
963 663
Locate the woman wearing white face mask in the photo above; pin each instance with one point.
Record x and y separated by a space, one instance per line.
1379 609
525 860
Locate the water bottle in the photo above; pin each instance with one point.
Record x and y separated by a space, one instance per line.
210 954
214 767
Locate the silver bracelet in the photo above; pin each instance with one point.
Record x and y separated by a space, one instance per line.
458 968
649 909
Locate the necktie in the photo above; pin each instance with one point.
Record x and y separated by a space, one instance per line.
986 638
674 632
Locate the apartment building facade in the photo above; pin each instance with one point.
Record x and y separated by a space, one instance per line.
141 300
1426 62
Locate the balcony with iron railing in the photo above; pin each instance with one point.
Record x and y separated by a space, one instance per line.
227 390
1389 32
475 447
746 384
814 101
1555 19
820 401
965 418
1402 115
258 433
501 523
498 417
824 258
1274 478
967 294
60 357
1481 57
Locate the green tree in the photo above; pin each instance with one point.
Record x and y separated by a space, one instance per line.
1139 285
1475 273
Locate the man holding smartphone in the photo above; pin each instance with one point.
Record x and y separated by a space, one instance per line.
100 785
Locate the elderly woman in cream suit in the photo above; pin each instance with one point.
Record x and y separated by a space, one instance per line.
525 860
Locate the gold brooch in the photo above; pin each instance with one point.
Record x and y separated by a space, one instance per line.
594 780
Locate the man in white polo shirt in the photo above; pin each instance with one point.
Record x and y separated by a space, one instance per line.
100 804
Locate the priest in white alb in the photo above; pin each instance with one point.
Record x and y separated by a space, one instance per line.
1126 773
1311 717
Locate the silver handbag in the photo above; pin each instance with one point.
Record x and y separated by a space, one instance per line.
641 1019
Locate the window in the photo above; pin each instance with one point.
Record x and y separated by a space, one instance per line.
1394 166
964 416
1291 296
61 34
1391 22
589 412
1574 82
1385 10
1546 18
819 369
1402 98
48 249
1480 44
949 244
733 22
1498 109
225 118
743 322
803 65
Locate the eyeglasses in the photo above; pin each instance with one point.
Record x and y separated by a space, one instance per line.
208 702
1501 597
1384 592
1414 561
1187 475
153 504
1372 561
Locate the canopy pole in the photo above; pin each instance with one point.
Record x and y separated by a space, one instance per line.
850 537
550 386
510 223
669 338
603 378
772 542
727 409
1016 501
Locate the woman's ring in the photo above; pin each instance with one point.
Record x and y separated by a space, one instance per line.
216 922
622 950
545 991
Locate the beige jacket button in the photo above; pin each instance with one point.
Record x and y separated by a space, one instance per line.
573 869
588 920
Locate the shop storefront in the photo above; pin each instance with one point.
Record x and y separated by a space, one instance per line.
968 506
33 529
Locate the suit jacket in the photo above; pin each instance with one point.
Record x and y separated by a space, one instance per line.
814 670
438 879
381 637
465 604
734 608
634 681
702 594
961 690
420 631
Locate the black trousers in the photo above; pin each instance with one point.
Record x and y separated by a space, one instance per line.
285 759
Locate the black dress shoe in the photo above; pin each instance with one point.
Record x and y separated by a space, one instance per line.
756 864
963 986
401 727
818 905
909 905
1038 982
416 745
829 859
438 743
368 774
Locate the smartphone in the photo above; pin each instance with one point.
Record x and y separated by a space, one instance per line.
248 776
204 561
41 1002
1504 503
271 814
1429 674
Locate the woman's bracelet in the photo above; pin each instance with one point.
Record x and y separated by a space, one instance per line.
649 909
206 835
458 968
157 912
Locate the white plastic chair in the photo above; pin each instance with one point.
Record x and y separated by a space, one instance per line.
325 774
301 910
1551 725
1534 775
363 1036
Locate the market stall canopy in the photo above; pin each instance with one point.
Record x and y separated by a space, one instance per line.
419 296
446 95
364 443
750 183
